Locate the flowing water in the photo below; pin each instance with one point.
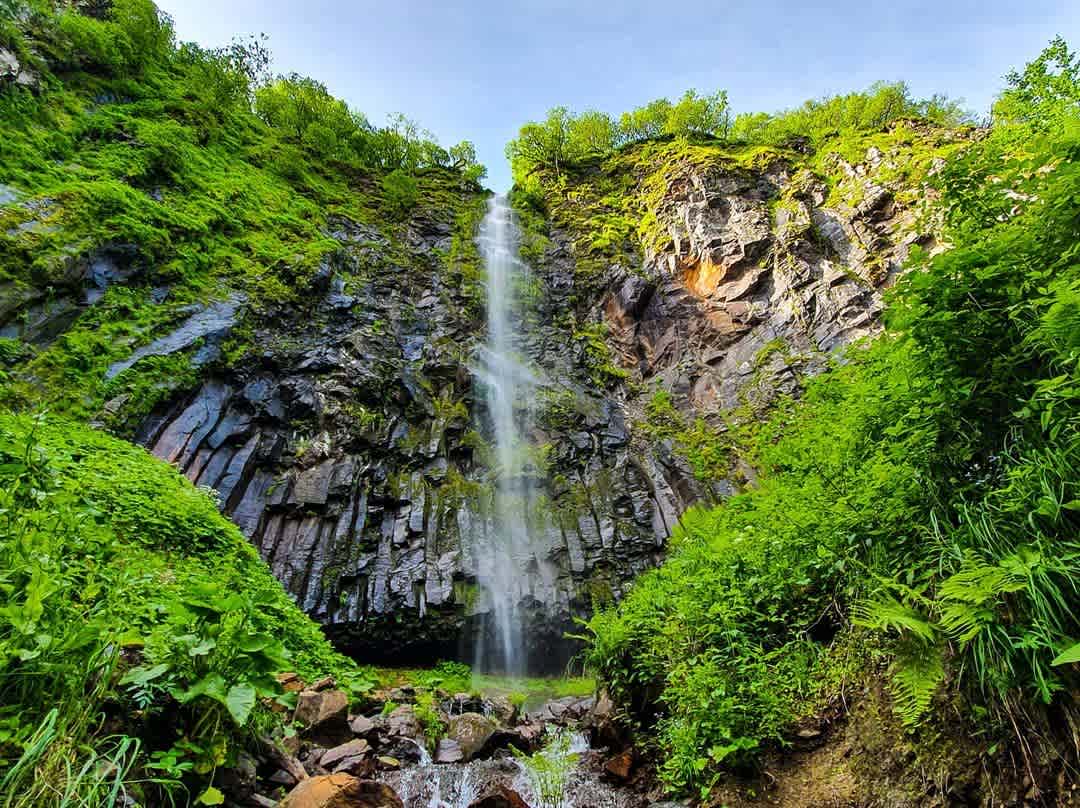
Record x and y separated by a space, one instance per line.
503 559
458 785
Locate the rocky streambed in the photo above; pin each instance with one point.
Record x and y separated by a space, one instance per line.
418 748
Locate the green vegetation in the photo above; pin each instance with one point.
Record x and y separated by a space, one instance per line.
564 139
207 177
126 597
457 677
549 768
919 503
708 450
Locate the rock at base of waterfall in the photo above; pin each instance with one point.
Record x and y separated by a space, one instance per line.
387 763
564 710
361 726
449 751
324 716
341 791
502 798
349 757
525 738
471 731
403 723
501 709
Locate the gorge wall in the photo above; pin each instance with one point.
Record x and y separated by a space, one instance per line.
341 424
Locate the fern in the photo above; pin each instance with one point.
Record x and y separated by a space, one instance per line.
889 614
968 598
914 677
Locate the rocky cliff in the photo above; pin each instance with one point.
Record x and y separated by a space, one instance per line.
326 390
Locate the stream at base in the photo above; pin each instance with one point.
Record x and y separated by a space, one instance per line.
461 785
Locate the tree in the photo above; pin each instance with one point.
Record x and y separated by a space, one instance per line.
541 144
591 134
647 121
696 115
463 159
294 103
1047 91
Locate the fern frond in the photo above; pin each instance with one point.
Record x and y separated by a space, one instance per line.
889 614
913 679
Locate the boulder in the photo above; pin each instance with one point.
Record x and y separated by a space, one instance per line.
324 716
449 751
403 723
502 797
290 682
603 728
346 756
471 731
502 709
620 766
341 791
388 763
361 726
524 738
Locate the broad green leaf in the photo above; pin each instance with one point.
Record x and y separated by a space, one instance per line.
211 797
212 686
1069 655
240 701
142 675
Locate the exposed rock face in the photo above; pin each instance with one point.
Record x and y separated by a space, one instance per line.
12 72
759 260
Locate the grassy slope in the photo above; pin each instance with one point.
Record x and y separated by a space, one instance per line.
214 200
104 550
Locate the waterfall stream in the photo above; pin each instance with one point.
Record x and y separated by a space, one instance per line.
503 558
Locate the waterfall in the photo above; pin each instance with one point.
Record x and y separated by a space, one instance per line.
501 562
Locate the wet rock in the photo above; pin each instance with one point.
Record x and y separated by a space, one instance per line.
524 738
471 732
323 715
239 781
501 709
449 751
282 758
345 756
403 723
388 763
564 710
503 797
282 777
361 726
341 791
602 724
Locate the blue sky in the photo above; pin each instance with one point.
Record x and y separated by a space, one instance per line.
477 70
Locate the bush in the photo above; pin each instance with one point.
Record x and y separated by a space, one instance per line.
400 193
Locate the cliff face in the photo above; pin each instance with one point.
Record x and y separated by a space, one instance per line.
349 445
308 352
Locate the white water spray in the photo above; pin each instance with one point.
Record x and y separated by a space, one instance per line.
501 562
